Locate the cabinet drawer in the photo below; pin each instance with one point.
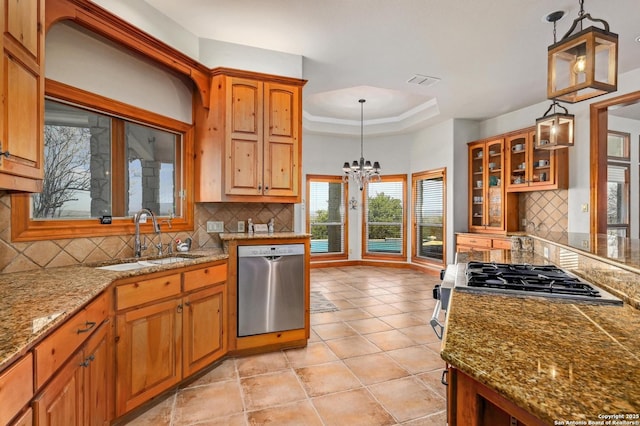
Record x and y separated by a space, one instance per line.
480 242
16 388
205 277
502 244
144 291
56 348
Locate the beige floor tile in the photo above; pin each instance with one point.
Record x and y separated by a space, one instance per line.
348 347
376 291
369 325
296 414
222 372
353 408
343 304
432 380
220 399
262 363
437 419
365 301
334 330
417 359
408 306
390 340
313 337
407 398
390 298
314 353
352 314
327 378
323 318
402 320
421 334
382 310
159 415
239 419
271 389
375 368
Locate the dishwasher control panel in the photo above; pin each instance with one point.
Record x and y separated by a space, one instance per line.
271 250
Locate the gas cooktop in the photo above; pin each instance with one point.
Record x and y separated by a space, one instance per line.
530 280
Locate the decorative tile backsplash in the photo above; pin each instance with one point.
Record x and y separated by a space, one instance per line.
544 211
23 256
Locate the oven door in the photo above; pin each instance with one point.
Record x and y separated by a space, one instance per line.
442 293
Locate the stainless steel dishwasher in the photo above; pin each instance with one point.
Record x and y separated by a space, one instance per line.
271 288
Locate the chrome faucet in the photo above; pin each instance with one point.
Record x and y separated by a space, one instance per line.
139 246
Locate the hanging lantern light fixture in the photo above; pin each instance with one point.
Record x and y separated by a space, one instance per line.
556 130
582 65
361 171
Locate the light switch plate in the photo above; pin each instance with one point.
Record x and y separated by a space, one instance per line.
240 226
213 226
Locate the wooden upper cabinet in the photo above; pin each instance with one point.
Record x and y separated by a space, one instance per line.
529 169
22 90
248 143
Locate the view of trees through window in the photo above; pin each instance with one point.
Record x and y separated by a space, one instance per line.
326 212
384 216
84 179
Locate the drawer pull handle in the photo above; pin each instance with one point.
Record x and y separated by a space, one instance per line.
445 378
89 325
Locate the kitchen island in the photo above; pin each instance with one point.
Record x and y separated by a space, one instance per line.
561 362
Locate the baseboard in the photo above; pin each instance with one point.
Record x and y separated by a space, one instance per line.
427 269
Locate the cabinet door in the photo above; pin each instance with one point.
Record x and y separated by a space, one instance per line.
60 403
518 151
97 378
204 324
22 88
148 353
493 196
281 141
243 138
543 165
477 171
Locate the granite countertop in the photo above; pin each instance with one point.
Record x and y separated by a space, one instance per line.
33 302
229 236
561 361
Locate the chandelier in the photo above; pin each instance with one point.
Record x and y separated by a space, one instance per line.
361 171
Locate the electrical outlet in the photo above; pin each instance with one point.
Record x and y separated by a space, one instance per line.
546 252
213 226
524 223
585 207
241 226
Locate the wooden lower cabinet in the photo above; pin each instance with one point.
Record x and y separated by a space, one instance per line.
468 242
16 388
470 403
162 342
204 322
79 392
147 352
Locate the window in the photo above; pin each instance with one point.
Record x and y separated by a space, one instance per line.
429 202
618 183
326 216
384 232
101 163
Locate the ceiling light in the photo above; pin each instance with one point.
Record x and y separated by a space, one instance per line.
582 65
556 130
361 171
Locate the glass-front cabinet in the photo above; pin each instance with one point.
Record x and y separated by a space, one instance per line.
529 169
486 180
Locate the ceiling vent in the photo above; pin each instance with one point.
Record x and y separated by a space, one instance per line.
423 80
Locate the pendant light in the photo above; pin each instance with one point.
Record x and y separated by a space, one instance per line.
361 171
556 130
582 65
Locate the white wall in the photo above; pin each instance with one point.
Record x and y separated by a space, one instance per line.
86 61
141 15
579 172
214 53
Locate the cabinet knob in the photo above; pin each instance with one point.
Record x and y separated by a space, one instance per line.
6 154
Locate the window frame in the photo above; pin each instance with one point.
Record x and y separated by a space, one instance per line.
23 228
365 208
345 233
425 175
625 162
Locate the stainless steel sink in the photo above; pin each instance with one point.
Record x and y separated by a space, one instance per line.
139 264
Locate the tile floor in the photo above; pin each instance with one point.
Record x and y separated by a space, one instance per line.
374 361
